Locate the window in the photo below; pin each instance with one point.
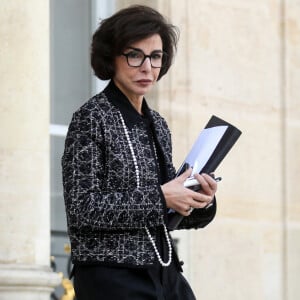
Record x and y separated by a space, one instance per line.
72 83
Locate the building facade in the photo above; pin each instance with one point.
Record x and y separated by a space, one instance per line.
239 60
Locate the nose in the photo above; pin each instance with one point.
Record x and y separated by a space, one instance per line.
146 65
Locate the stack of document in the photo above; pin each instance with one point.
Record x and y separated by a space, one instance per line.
208 151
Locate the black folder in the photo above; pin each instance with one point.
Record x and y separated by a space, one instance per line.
218 137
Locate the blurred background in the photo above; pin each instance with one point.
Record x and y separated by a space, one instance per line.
237 59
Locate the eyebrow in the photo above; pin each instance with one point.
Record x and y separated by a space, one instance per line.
138 49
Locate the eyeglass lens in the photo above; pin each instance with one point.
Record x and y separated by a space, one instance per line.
135 58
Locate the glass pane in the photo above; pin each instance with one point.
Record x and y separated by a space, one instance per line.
59 238
58 218
70 26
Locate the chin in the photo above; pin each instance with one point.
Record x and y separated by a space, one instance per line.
142 91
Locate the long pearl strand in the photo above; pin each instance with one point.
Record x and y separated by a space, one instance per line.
137 175
164 264
136 167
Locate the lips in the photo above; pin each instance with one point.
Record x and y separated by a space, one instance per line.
144 81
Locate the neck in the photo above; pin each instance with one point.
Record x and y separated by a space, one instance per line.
135 100
137 104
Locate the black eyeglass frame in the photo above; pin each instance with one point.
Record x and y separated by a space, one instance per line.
145 56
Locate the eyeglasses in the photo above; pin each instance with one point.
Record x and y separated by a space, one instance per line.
136 57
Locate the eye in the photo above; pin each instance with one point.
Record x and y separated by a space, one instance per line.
135 54
156 56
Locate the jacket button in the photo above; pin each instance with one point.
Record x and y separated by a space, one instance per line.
181 263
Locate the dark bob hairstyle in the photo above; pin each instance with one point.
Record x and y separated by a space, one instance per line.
125 27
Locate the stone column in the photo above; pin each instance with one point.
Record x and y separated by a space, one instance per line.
292 147
24 151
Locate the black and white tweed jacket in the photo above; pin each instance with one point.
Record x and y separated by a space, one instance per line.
106 211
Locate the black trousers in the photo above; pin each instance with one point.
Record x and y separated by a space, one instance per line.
96 282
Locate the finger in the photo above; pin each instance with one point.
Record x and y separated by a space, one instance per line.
205 187
190 209
209 178
211 181
208 184
195 197
186 211
186 174
202 200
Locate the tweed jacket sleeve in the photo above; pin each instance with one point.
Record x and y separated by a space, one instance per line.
98 175
199 218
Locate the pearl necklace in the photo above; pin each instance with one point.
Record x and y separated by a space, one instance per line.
137 175
164 264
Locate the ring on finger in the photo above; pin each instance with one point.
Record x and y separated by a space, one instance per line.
190 210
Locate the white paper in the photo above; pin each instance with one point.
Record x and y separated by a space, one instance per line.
204 147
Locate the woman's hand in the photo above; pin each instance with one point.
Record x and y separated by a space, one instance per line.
182 199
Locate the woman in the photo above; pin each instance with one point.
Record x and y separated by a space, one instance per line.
118 174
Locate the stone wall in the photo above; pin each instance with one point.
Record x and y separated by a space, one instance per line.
240 61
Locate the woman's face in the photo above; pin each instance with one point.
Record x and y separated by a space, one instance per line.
135 82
